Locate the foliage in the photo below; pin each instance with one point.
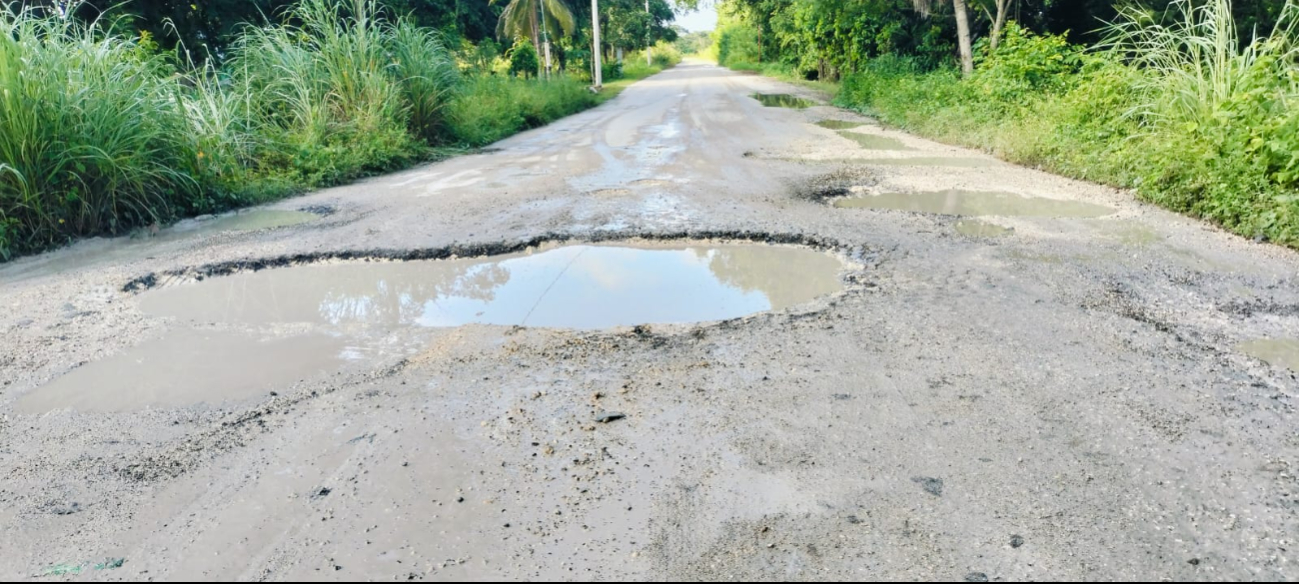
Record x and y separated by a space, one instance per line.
1181 112
523 60
694 43
91 136
520 20
103 131
489 108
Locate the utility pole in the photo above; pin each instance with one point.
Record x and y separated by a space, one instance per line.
598 72
545 34
649 27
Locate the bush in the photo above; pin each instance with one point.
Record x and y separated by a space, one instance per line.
523 60
736 43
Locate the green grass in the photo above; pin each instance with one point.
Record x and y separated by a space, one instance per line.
101 133
489 108
1179 112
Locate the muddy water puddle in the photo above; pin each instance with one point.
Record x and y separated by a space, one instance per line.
975 203
840 124
874 142
784 100
578 286
977 228
1276 352
188 367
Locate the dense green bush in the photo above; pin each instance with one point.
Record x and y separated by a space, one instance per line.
736 43
523 60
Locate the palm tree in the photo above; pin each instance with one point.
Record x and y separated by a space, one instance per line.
533 18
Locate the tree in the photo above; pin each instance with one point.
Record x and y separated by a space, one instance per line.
964 41
533 18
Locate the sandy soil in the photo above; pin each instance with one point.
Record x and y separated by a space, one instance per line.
1063 402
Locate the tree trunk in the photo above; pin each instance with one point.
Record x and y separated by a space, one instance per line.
999 23
536 42
963 36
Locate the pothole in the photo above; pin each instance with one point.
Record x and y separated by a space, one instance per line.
976 203
584 287
1276 352
187 367
784 100
874 142
977 228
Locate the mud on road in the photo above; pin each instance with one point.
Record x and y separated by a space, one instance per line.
1034 396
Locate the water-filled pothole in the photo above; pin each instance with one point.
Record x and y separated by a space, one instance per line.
874 142
187 367
1277 352
783 100
577 286
977 228
840 124
975 203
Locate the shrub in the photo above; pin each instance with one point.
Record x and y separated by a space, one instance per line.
523 60
736 43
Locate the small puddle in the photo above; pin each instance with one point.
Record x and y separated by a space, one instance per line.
186 367
874 142
578 286
783 100
975 203
840 124
977 228
1276 352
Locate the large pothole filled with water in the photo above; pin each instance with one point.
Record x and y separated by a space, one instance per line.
243 336
573 286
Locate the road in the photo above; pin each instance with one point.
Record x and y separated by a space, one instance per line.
1067 400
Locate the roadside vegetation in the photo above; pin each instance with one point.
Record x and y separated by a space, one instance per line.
1193 105
109 122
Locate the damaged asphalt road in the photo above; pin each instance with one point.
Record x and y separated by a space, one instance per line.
1068 398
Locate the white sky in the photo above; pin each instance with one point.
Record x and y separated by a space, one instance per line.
703 19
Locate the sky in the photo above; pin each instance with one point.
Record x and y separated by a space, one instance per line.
703 19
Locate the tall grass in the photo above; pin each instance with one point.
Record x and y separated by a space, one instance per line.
93 137
101 133
340 91
1196 66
